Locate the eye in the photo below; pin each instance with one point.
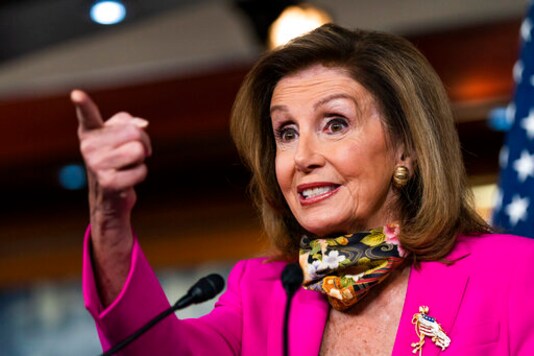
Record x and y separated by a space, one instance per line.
286 134
336 125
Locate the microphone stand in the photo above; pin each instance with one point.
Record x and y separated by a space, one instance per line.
145 327
291 280
286 327
206 288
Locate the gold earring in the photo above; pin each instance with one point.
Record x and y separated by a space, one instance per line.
400 176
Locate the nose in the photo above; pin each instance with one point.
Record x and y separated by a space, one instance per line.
308 155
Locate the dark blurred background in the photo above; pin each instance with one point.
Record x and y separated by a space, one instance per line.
179 64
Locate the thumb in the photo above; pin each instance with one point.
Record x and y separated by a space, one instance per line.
89 117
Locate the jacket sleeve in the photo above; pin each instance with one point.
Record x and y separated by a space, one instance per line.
142 298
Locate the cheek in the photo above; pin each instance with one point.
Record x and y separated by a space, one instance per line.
352 160
282 170
367 166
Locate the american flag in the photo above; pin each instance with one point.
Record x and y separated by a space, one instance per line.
514 208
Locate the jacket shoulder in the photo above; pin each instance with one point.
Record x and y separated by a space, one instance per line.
493 251
497 243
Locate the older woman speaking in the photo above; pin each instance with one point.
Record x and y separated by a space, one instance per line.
357 174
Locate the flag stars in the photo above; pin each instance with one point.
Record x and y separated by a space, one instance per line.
503 157
518 71
524 166
517 209
514 203
510 113
528 124
526 28
497 199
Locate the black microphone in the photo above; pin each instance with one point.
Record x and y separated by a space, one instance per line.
205 289
291 280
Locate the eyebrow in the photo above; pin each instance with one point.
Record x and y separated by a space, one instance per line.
317 104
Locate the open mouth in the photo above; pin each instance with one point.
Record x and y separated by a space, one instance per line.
316 193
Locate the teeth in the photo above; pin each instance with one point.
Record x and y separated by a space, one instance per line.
310 193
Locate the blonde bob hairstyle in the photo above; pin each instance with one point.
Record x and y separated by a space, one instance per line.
436 204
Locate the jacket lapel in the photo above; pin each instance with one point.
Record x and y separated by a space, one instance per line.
309 313
439 286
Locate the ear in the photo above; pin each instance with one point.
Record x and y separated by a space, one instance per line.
405 158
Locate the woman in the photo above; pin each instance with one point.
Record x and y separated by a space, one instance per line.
358 175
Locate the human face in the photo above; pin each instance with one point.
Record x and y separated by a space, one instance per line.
333 161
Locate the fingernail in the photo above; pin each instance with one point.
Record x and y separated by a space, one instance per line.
75 95
141 123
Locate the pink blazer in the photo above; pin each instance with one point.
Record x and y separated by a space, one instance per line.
483 300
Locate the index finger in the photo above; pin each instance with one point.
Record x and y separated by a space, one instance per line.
89 117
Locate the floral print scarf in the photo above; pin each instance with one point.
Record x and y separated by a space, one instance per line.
347 267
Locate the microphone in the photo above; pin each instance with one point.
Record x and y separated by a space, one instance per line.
205 289
291 280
